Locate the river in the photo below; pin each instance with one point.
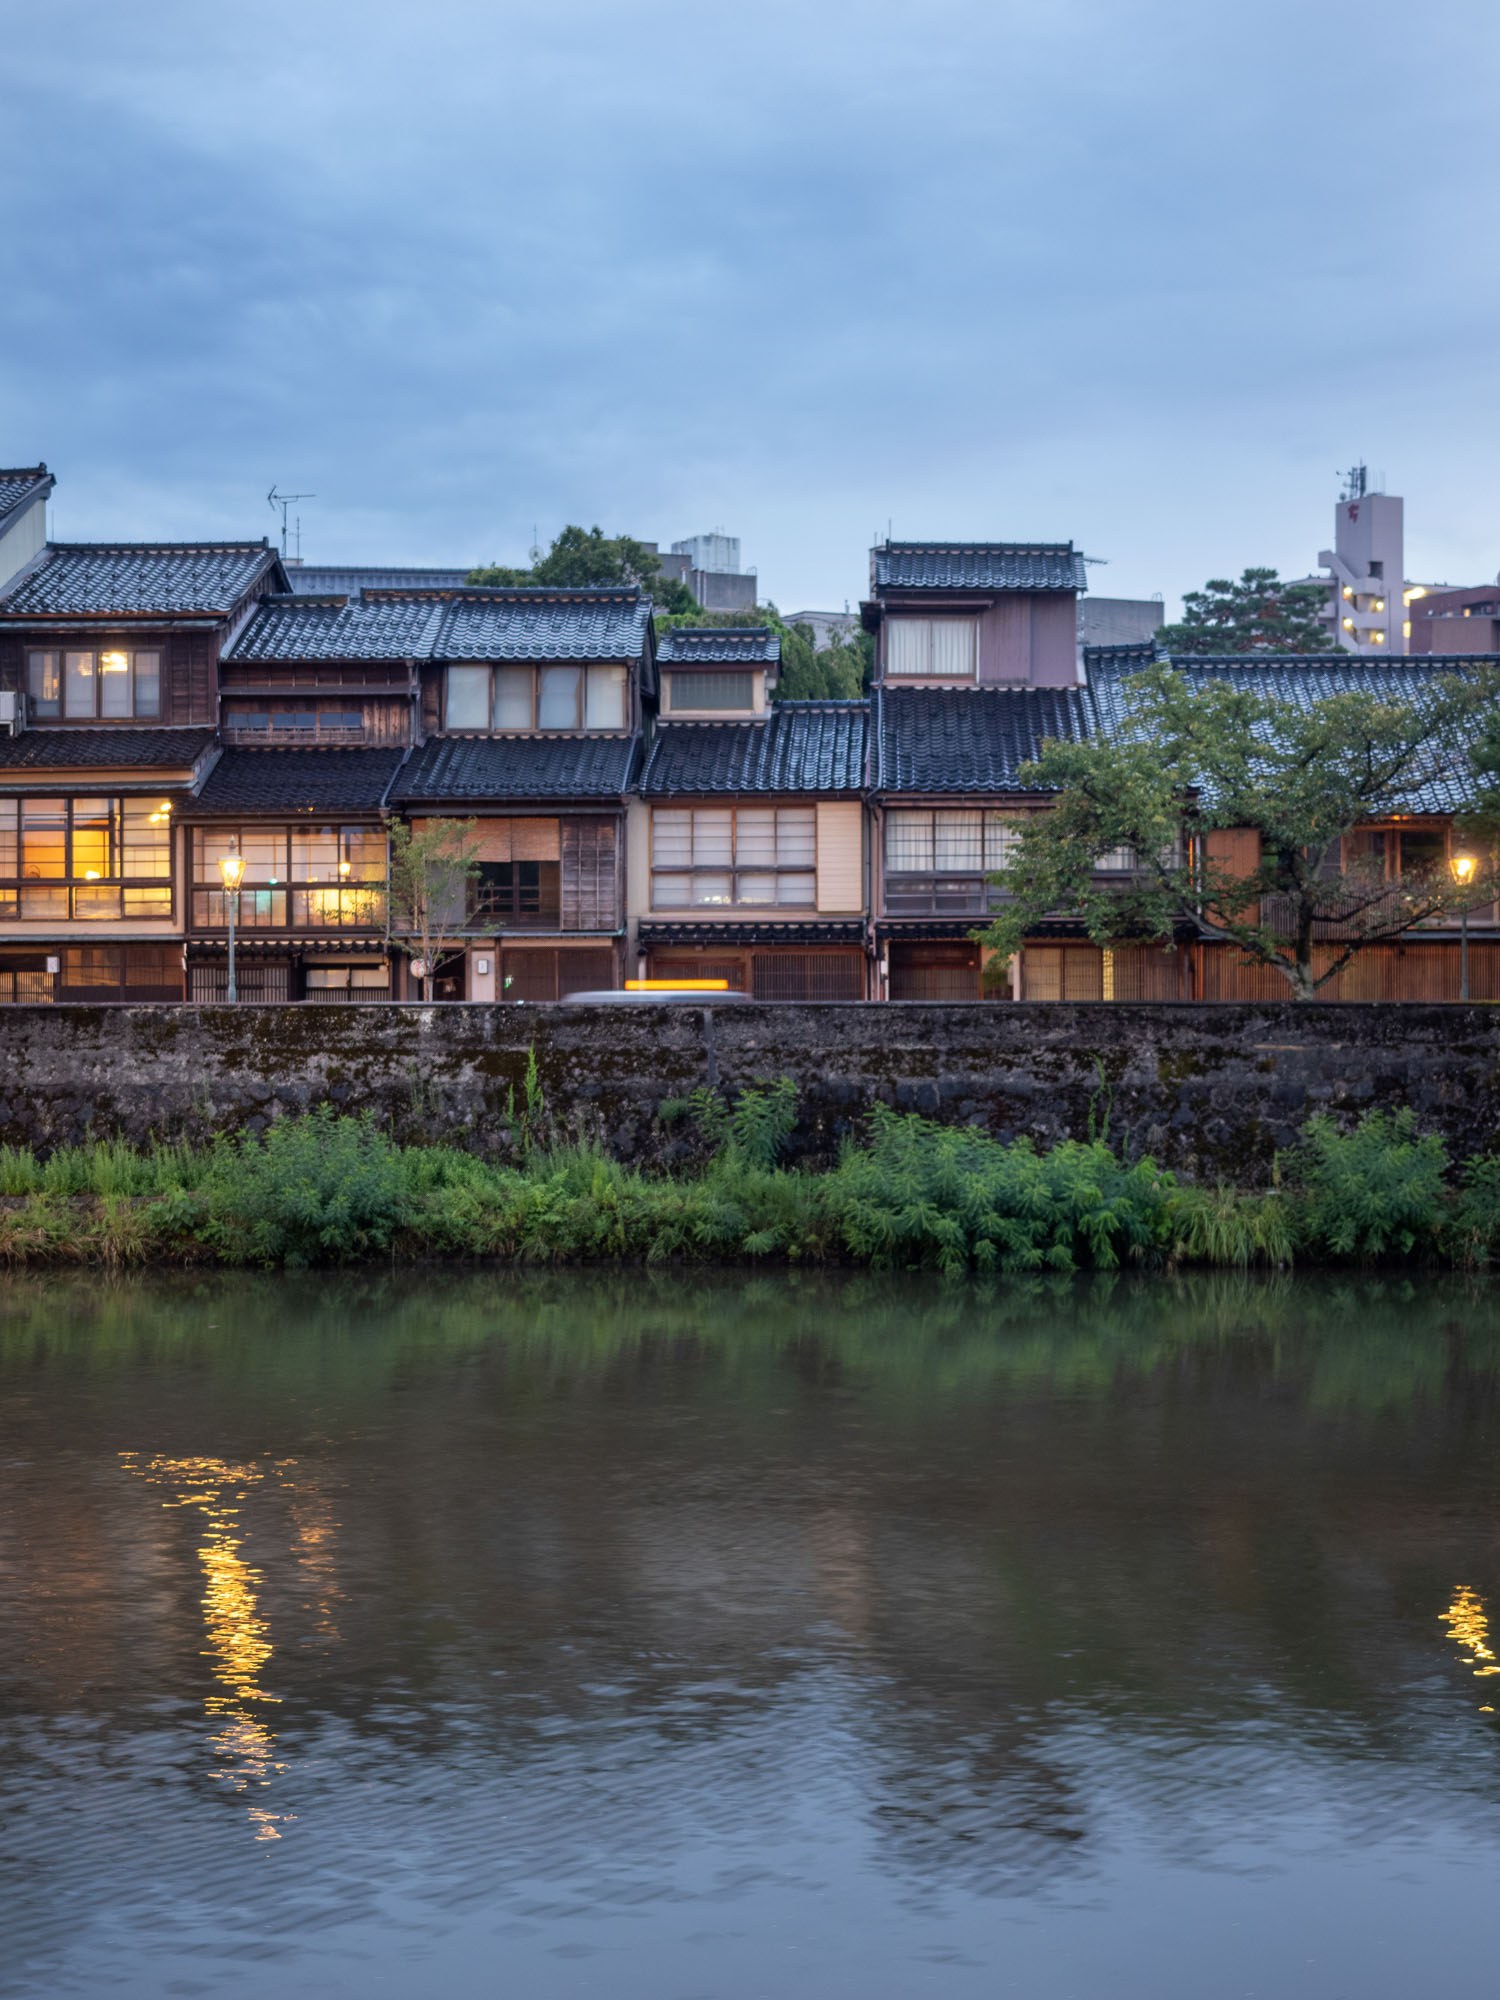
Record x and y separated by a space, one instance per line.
665 1638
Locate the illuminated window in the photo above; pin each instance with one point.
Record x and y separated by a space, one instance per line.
85 858
309 877
84 687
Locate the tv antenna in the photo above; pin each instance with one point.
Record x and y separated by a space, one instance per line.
536 546
1356 483
283 501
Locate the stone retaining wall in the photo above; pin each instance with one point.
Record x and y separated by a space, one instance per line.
1210 1090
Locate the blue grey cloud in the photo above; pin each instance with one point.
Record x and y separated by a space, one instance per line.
1143 274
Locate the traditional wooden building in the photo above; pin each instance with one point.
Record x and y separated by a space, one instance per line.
109 656
748 853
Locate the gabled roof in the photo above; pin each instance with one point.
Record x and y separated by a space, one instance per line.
968 740
20 484
536 622
1303 679
317 579
517 767
978 566
120 748
802 746
704 646
314 780
136 579
336 628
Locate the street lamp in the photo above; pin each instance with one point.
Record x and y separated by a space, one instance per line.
1463 866
232 867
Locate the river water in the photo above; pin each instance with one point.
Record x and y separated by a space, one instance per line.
657 1638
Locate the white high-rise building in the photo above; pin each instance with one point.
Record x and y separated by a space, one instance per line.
716 553
1368 609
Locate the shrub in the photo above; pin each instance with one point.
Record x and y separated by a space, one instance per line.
1373 1192
314 1188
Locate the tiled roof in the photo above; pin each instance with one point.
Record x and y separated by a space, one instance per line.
309 628
802 746
103 749
317 579
1305 678
693 646
968 739
518 767
317 780
20 483
87 579
978 566
534 623
739 930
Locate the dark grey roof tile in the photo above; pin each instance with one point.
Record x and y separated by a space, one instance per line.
103 749
172 579
979 566
687 646
802 746
962 740
526 623
313 780
307 628
518 767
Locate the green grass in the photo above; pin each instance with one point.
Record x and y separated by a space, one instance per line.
322 1190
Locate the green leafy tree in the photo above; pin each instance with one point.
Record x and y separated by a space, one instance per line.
1293 784
840 672
1258 614
431 871
582 556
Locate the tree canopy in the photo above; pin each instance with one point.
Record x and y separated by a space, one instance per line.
840 672
1257 614
581 556
1226 813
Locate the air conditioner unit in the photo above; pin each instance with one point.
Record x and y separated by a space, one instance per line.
12 712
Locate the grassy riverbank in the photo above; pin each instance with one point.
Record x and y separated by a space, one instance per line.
323 1189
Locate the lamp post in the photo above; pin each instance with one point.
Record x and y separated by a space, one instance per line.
232 867
1463 866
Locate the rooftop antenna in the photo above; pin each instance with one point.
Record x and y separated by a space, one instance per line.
1356 483
536 546
284 501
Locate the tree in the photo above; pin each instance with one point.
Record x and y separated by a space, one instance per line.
1259 614
582 556
840 672
431 870
1195 761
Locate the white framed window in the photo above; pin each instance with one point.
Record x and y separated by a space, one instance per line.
932 648
948 841
698 691
515 700
113 685
762 857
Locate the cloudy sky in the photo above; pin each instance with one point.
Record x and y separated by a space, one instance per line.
1144 273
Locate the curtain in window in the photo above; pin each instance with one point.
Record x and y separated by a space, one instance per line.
605 698
908 843
958 843
953 647
468 698
557 698
908 645
513 697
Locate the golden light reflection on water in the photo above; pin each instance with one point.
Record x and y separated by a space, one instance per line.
1469 1628
239 1636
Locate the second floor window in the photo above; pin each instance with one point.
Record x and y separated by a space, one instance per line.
932 648
111 686
721 856
82 859
960 842
522 700
297 877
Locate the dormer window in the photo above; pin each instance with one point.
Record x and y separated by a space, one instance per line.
717 693
527 700
932 648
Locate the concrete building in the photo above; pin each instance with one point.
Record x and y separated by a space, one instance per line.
1119 621
1454 621
1367 577
828 627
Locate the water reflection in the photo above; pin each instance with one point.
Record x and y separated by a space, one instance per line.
1469 1628
239 1635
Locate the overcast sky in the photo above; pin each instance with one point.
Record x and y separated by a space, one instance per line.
1142 273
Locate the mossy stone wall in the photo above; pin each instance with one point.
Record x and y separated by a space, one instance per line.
1210 1090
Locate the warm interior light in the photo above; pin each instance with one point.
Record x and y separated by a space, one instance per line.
343 868
1463 866
677 986
91 874
231 867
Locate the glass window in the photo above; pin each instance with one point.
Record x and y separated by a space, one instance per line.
78 683
757 888
670 892
908 843
148 684
10 842
713 837
38 903
958 842
364 854
97 900
557 697
44 683
947 648
1115 861
263 850
147 837
699 691
755 837
954 647
1424 850
149 902
95 840
801 890
605 698
114 684
999 841
44 839
468 698
796 837
712 889
672 837
315 854
513 697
